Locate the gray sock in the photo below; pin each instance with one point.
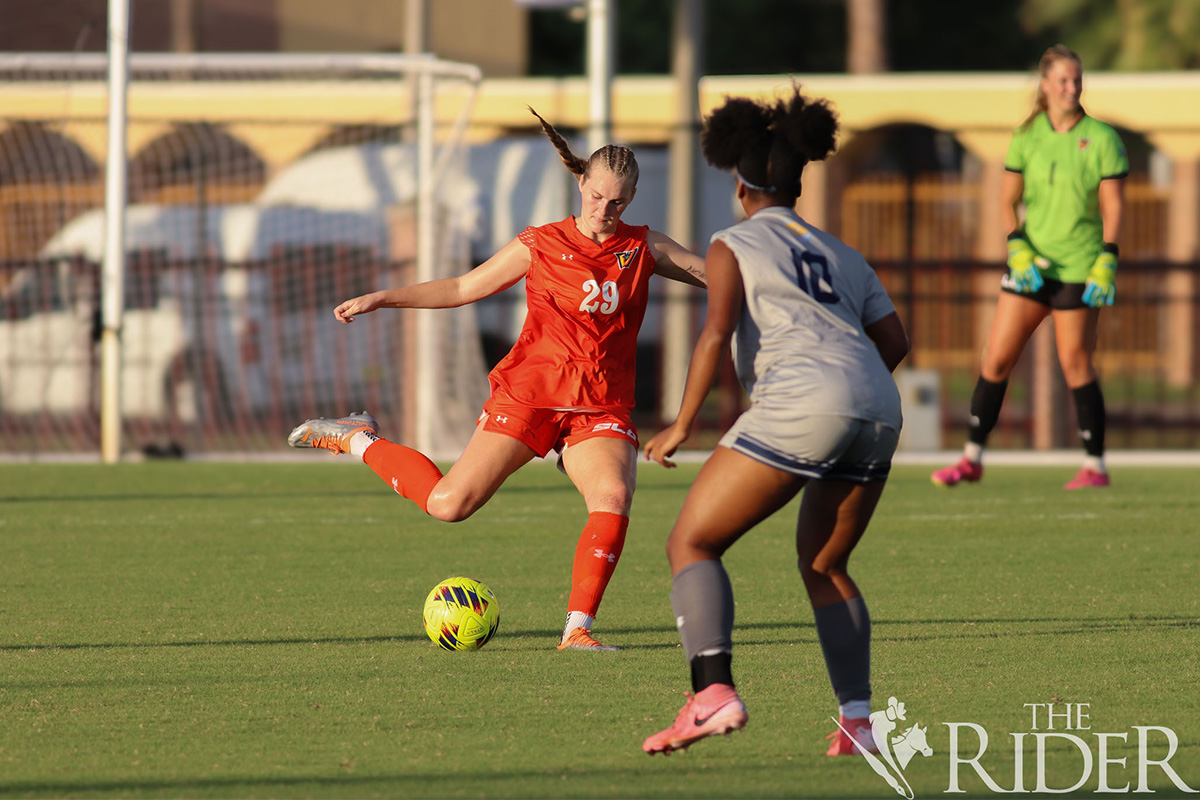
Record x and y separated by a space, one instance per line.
844 630
702 599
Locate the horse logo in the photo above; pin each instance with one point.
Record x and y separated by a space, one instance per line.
892 751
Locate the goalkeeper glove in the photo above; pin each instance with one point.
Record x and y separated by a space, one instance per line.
1100 289
1023 273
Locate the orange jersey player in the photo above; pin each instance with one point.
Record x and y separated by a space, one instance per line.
567 384
586 301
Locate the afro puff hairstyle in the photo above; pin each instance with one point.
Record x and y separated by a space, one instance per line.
768 144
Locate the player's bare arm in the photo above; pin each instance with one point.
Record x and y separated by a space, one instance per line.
499 272
725 295
890 338
1012 192
673 260
1111 195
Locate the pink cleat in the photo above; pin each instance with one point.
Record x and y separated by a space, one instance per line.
714 710
843 745
1087 478
964 470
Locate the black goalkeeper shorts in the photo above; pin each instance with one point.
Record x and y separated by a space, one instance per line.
1053 294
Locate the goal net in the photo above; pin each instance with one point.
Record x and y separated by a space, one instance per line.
262 191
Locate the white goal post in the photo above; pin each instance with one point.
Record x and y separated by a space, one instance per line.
409 84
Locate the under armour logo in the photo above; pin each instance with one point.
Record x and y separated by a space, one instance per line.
503 420
599 553
568 257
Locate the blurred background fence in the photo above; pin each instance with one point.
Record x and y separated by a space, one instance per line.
226 358
254 209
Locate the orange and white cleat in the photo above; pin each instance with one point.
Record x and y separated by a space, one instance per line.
581 639
332 434
715 710
842 745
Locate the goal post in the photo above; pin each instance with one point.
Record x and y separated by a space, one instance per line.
211 141
112 268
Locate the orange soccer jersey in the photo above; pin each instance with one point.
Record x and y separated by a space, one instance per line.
586 301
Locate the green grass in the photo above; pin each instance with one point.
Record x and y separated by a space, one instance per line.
214 630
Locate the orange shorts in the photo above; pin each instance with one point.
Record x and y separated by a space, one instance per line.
546 429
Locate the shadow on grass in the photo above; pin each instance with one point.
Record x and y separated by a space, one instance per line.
252 496
972 626
416 784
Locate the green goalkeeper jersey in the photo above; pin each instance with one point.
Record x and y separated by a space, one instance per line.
1062 173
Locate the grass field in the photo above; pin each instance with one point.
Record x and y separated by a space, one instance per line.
215 630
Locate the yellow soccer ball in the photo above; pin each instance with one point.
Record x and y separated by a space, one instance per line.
461 614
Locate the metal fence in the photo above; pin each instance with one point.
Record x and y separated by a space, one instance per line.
226 358
1146 360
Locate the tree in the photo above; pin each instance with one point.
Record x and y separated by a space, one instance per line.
1126 35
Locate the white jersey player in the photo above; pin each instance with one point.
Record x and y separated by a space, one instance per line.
801 349
816 339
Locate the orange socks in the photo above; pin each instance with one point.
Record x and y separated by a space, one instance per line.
596 558
407 471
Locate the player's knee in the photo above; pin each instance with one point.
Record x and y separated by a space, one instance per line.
684 548
450 506
615 499
996 369
1077 368
821 570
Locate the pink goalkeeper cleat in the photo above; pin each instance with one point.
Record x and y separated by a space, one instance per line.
964 470
1087 478
714 710
843 745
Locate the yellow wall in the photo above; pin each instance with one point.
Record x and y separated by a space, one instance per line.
980 109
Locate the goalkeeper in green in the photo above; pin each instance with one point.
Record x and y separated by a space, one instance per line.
1069 170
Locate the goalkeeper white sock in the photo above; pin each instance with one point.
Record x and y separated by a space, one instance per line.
855 709
973 452
1094 463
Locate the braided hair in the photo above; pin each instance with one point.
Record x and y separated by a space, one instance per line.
768 143
617 159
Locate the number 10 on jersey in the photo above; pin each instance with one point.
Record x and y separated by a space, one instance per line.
807 266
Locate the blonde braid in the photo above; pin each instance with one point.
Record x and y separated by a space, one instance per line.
574 163
617 159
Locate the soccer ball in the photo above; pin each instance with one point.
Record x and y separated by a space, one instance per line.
461 614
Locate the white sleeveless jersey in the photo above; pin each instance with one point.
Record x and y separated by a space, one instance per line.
801 338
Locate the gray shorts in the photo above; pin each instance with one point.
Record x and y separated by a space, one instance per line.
817 446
